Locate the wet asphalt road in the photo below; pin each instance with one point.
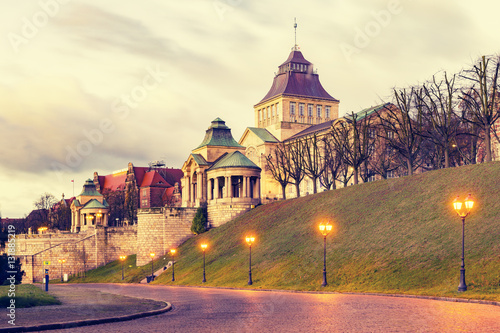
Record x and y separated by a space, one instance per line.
221 310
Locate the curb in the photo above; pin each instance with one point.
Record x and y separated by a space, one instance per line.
433 298
87 322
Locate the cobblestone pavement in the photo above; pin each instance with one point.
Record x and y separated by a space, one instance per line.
220 310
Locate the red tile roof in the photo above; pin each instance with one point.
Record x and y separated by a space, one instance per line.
153 178
113 181
173 175
144 176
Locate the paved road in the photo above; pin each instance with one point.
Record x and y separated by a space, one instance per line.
219 310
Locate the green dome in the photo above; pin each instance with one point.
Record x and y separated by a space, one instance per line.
218 134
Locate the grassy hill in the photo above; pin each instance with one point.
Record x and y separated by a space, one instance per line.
393 236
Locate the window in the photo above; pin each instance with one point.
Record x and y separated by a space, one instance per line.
371 133
390 174
371 176
371 149
268 114
309 110
327 111
260 115
144 192
301 109
264 114
273 110
318 111
390 134
292 108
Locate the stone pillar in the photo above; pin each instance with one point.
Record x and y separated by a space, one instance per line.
192 194
216 188
257 187
199 189
228 187
245 187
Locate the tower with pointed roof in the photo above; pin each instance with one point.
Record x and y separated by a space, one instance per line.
296 99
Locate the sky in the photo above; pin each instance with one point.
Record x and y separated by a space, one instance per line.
92 85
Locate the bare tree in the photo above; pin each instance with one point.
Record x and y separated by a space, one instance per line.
382 160
481 98
46 201
332 162
405 122
296 165
278 165
439 99
131 203
313 164
117 206
354 140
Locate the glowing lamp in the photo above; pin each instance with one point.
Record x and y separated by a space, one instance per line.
325 228
250 240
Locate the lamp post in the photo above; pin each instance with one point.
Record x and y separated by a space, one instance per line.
172 252
98 217
250 240
122 258
463 210
152 254
62 261
204 247
42 229
325 228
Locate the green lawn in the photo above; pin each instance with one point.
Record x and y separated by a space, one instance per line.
26 296
393 236
112 272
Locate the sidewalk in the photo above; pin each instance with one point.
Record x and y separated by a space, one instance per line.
161 270
80 305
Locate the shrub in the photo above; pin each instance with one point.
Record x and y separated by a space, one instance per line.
199 225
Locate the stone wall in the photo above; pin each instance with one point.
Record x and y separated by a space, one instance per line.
80 255
178 223
161 229
149 234
225 212
121 241
82 251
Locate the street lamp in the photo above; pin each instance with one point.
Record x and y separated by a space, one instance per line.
250 240
122 258
62 261
325 228
172 252
99 215
152 254
463 210
42 229
204 247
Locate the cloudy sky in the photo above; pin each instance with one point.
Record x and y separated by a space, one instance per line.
92 85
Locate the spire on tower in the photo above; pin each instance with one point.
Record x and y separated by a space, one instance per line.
295 27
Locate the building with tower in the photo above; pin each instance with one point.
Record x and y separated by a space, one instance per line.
296 103
219 176
296 99
89 209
